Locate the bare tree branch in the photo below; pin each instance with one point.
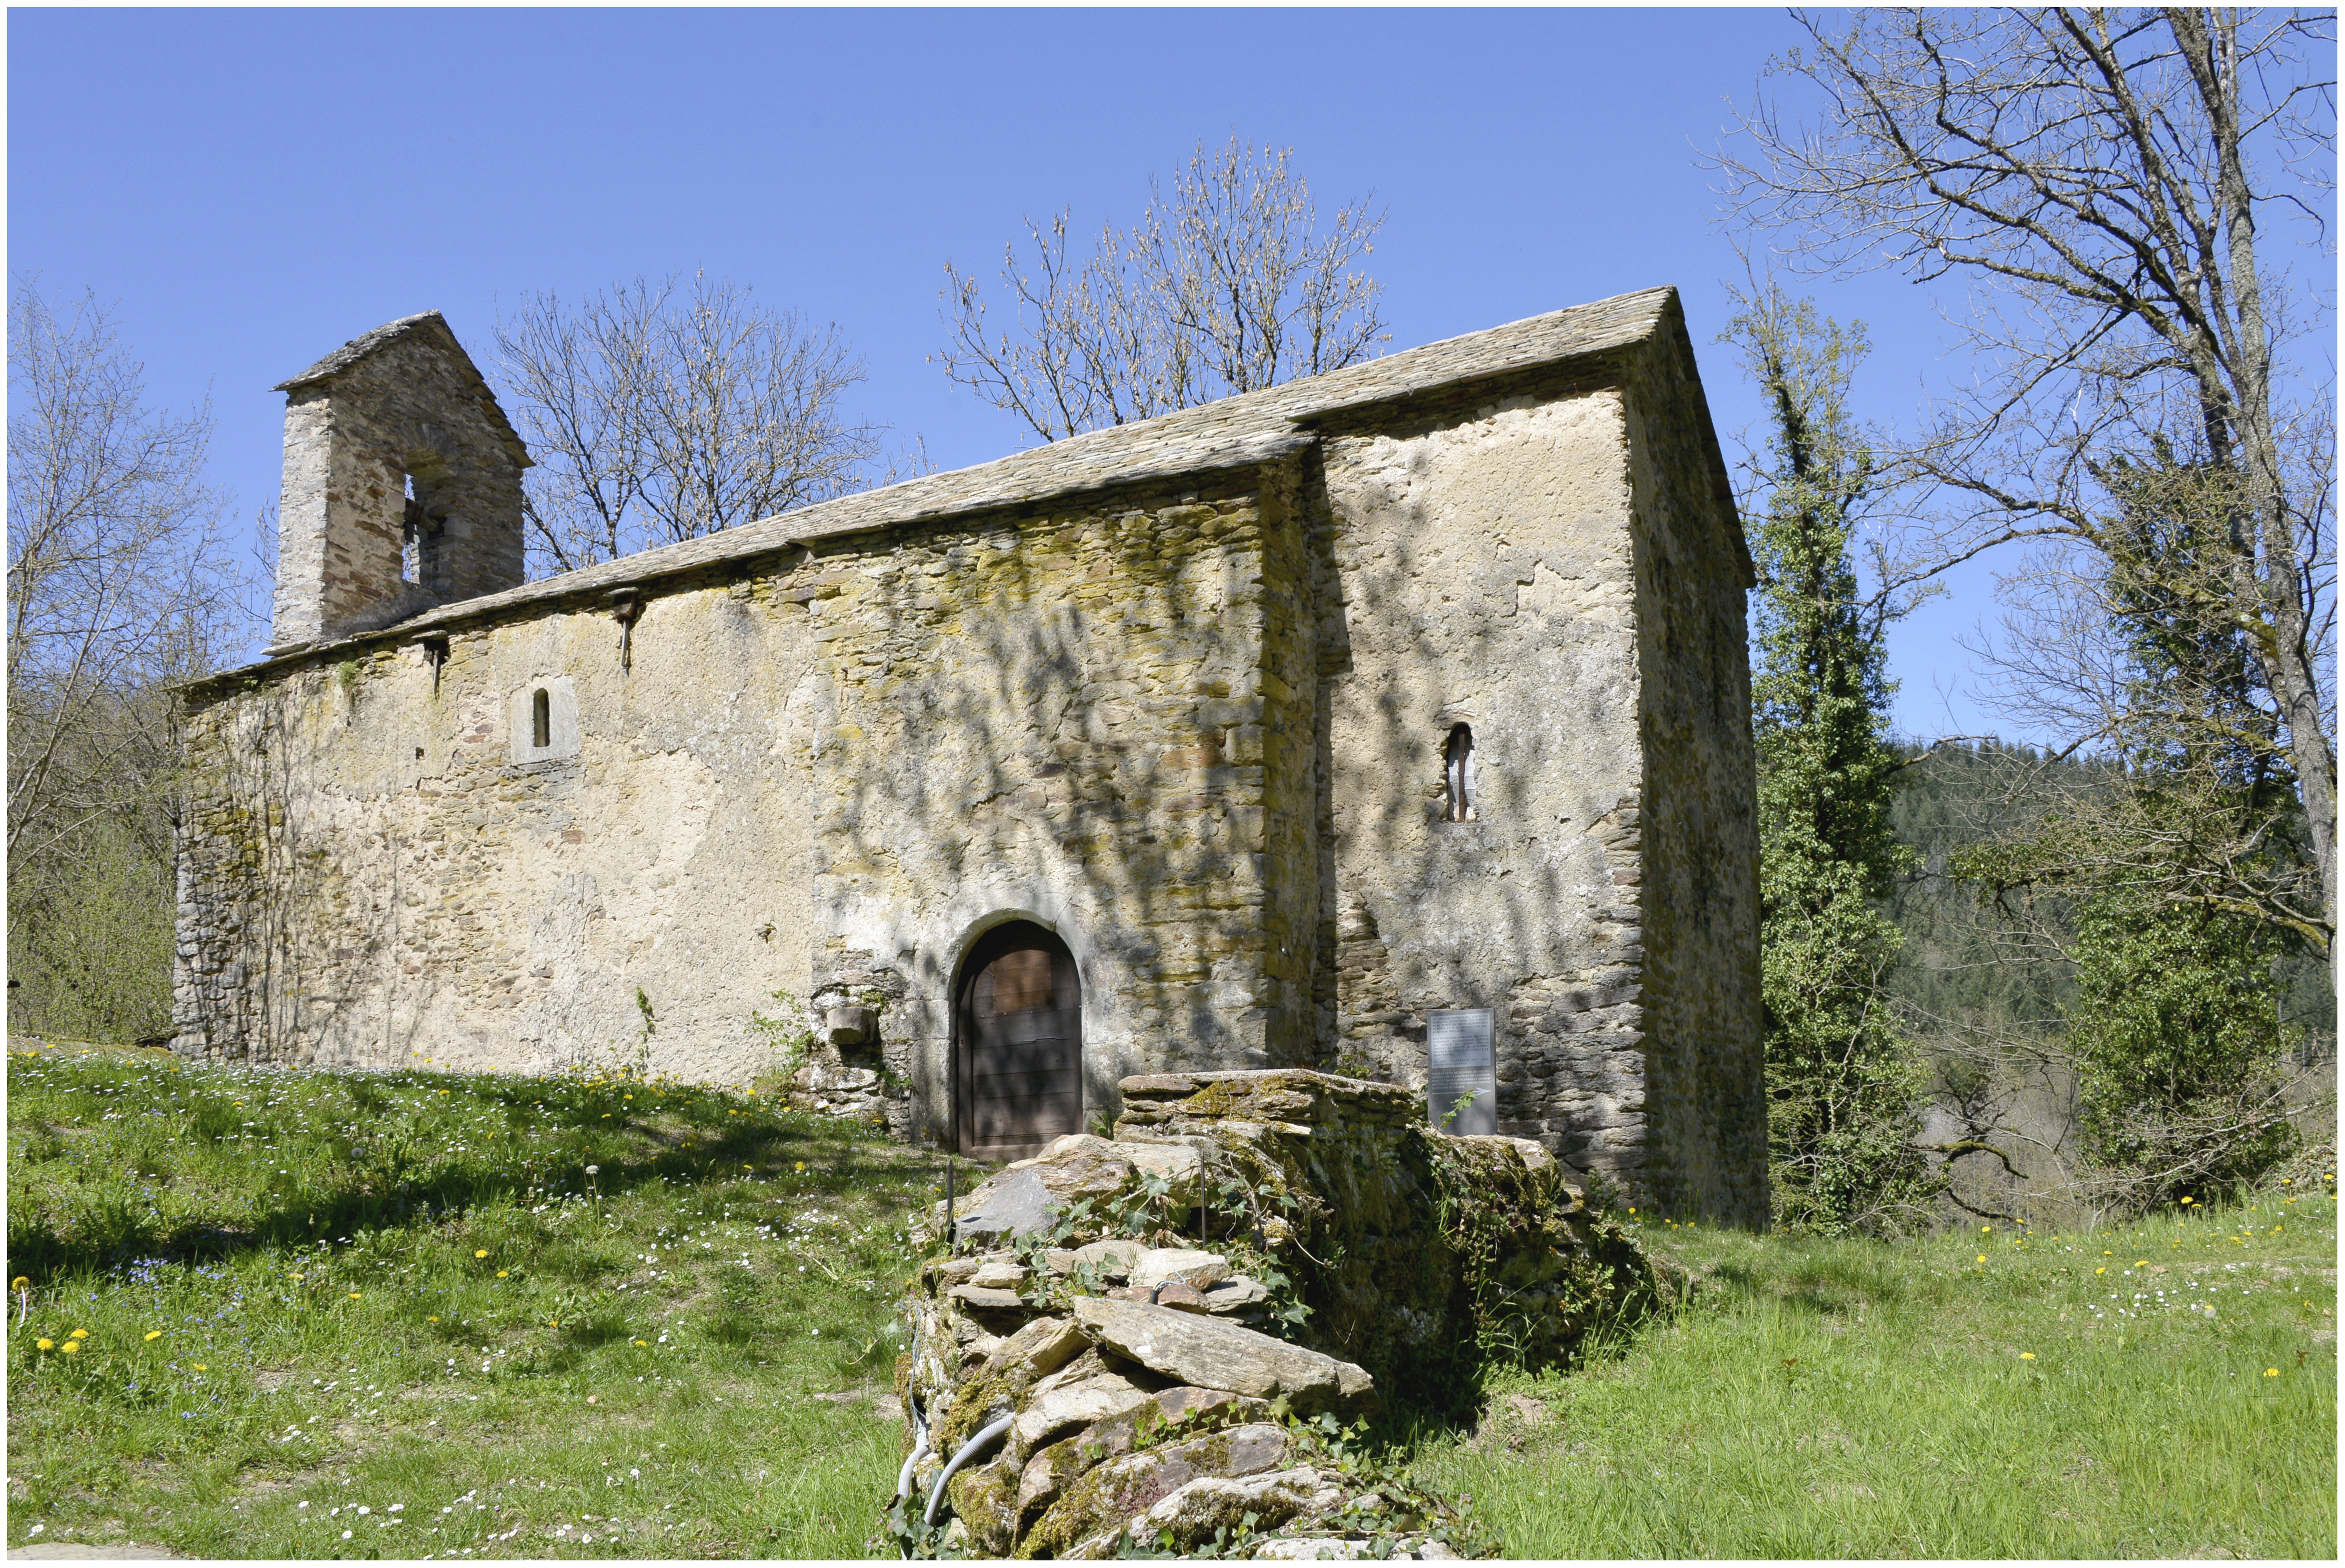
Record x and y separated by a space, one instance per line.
1227 286
2105 177
663 412
119 576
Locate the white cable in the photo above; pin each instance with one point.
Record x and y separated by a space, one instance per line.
972 1446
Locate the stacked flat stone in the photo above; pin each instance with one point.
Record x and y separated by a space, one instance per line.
1368 1182
1140 1377
1144 1413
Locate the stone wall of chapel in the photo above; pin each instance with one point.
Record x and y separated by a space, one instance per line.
823 776
371 876
1486 577
1072 715
1706 1078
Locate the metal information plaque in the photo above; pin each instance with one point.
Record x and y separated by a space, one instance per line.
1464 1062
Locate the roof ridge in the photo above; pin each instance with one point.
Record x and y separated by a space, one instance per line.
1238 431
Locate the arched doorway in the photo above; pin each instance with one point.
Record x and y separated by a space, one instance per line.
1018 1067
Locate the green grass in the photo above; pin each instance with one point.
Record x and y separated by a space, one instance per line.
404 1293
1990 1394
379 1290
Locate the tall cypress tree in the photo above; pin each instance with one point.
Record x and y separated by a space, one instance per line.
1842 1092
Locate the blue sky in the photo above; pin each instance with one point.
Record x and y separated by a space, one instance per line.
254 188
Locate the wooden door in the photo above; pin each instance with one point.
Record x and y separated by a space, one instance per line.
1020 1069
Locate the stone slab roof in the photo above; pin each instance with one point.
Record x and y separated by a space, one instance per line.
433 328
1235 432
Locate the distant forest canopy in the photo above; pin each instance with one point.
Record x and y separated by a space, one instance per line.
1969 968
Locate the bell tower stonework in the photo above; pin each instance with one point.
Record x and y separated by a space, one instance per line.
401 489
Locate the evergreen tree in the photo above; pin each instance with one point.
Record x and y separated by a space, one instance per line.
1842 1091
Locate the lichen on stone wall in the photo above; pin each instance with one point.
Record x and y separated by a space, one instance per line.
1422 1254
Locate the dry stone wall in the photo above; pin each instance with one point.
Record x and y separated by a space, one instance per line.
1128 1344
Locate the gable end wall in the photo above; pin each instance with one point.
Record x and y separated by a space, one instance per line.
1698 855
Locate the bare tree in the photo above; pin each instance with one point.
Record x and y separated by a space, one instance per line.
2107 178
119 575
1227 286
660 412
120 581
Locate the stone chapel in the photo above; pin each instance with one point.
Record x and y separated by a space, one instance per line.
1329 725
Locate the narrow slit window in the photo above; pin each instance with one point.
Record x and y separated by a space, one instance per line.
411 536
1458 764
541 719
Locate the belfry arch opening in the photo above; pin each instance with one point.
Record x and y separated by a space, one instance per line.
1018 1043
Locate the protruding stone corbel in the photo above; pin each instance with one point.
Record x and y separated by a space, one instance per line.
435 653
849 1025
627 604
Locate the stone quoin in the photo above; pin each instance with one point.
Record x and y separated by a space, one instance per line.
1244 737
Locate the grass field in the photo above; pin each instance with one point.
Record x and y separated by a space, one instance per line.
398 1315
2166 1388
395 1315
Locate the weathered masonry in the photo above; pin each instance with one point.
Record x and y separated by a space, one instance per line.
1253 735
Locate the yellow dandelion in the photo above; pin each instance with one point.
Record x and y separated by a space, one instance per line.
153 1335
2141 1262
503 1272
801 1164
1981 1257
481 1253
19 1284
201 1368
355 1295
81 1333
2027 1355
646 1344
2272 1371
2102 1269
45 1344
430 1320
73 1347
